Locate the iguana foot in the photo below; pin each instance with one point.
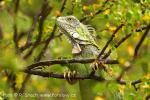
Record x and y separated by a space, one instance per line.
98 65
69 76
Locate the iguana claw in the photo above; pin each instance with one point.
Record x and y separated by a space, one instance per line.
69 76
97 65
100 65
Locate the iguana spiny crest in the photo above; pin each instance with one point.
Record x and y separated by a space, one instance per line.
78 33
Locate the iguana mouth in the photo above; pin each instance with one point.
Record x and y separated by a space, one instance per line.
76 48
68 35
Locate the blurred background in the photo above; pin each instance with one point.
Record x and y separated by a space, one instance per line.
28 34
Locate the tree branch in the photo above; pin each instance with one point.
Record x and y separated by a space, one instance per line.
78 77
67 61
61 76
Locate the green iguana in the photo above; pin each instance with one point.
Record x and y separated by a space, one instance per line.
83 46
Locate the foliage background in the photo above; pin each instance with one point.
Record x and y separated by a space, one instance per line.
28 34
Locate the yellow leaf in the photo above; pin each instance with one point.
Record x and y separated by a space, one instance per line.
137 36
48 29
77 1
112 28
41 88
4 79
146 17
147 76
121 88
30 2
145 86
91 14
110 72
19 80
96 6
106 12
8 36
137 24
85 7
101 0
22 42
107 24
2 3
57 13
123 62
127 64
99 98
130 50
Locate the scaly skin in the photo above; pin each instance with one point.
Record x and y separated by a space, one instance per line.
84 46
86 86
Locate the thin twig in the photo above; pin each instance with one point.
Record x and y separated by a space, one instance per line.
1 33
116 45
22 89
15 35
133 83
63 6
16 5
77 77
11 76
46 44
141 41
123 40
108 42
45 10
134 57
31 30
51 36
39 43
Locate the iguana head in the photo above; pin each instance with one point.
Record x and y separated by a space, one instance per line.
68 25
75 31
71 26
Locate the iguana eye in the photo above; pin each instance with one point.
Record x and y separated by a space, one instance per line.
69 19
